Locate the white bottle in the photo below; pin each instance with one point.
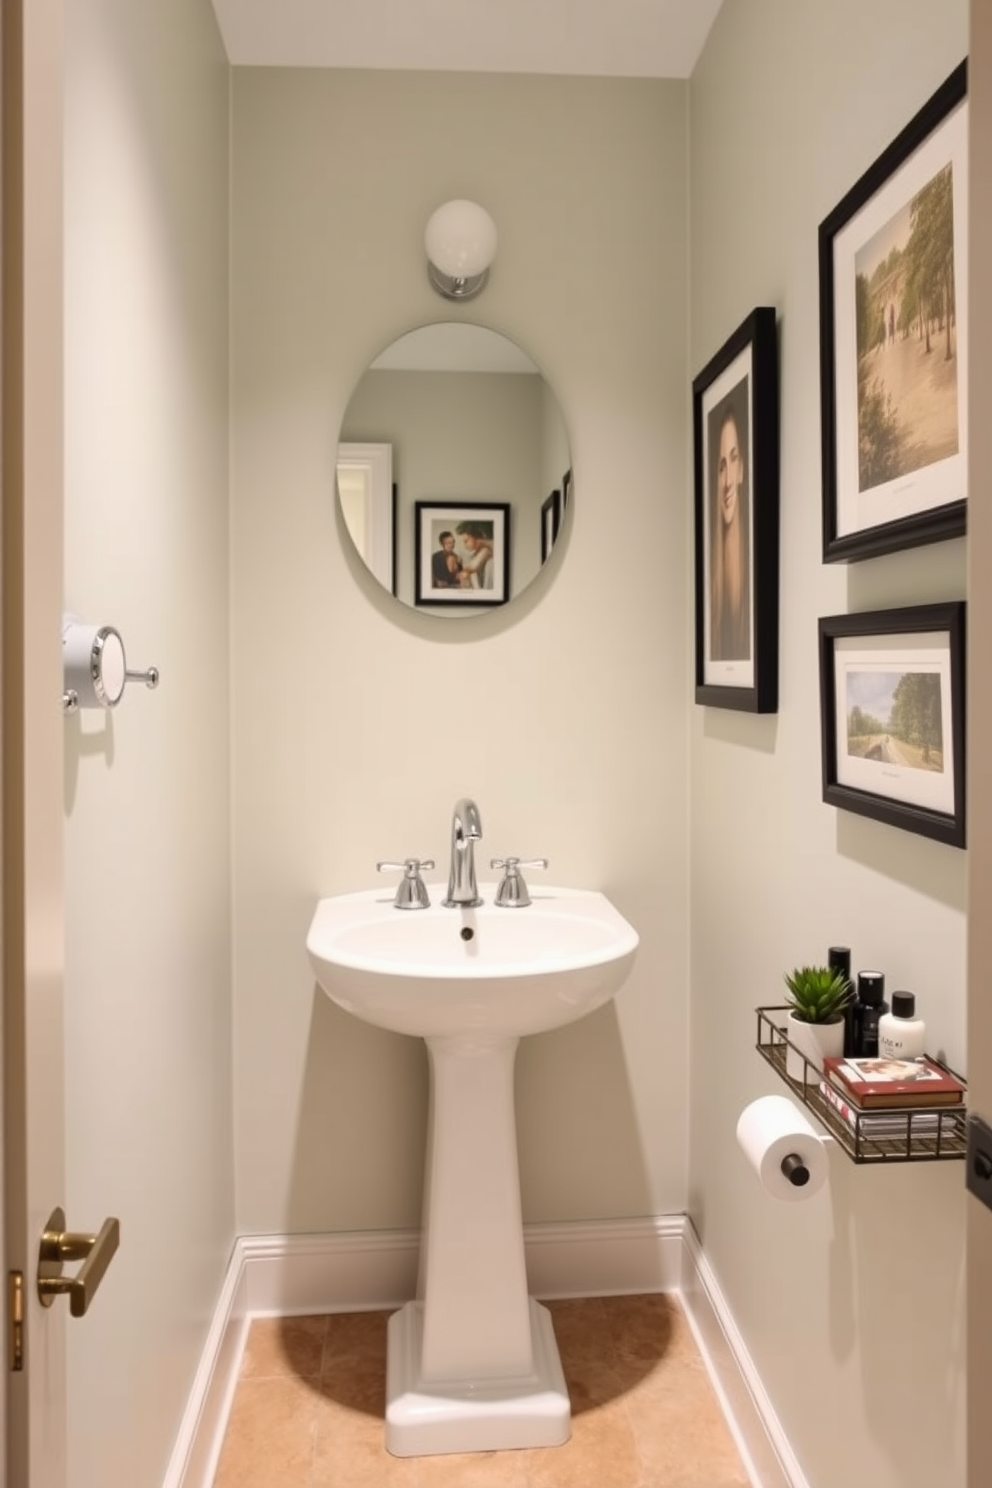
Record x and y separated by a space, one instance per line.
901 1035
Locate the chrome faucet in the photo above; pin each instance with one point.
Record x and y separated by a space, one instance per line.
466 830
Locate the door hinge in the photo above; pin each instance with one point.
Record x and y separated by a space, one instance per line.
15 1312
978 1173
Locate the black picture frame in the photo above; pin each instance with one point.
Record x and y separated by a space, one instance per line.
455 520
736 619
551 508
911 661
893 289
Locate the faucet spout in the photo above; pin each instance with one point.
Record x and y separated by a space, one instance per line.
466 830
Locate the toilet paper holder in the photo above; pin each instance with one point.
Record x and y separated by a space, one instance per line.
94 666
794 1167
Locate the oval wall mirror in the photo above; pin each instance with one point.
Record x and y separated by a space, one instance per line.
454 474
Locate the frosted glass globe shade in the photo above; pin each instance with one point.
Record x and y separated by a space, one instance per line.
461 239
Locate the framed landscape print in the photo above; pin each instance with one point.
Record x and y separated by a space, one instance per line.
735 448
894 341
462 552
892 717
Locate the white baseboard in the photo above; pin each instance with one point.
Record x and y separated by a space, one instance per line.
760 1439
201 1432
273 1275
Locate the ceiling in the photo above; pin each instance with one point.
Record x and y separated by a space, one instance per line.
598 38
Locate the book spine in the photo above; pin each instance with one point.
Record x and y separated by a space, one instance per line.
878 1122
835 1099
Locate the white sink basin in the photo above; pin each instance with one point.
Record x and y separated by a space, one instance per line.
444 971
472 1363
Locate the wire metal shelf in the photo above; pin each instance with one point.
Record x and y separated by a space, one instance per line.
924 1134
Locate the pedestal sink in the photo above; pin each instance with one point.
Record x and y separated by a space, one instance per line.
472 1364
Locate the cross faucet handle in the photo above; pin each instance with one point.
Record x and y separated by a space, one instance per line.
512 892
411 891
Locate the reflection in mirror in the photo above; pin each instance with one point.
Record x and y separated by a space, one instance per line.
453 418
365 490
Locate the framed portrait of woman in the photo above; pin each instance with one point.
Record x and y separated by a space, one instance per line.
735 449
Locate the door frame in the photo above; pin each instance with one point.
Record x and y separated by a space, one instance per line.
978 1242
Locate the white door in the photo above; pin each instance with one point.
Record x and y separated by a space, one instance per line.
30 676
979 1237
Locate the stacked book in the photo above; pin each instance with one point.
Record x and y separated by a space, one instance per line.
891 1097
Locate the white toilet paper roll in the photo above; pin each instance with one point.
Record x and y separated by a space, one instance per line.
783 1148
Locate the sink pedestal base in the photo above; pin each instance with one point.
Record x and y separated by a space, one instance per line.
425 1418
472 1365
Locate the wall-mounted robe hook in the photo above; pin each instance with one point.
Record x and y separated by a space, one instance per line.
95 667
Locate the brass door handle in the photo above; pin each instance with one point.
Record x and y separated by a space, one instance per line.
59 1245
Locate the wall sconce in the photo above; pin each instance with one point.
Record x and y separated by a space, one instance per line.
461 244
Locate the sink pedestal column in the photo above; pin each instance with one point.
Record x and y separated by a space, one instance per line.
472 1364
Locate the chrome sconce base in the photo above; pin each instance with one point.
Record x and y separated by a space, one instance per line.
454 288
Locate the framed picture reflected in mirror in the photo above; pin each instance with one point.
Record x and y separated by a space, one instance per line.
462 552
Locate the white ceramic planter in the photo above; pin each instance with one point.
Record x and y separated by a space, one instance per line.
818 1041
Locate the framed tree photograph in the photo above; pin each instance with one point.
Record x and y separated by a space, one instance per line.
893 341
550 522
461 552
735 448
892 717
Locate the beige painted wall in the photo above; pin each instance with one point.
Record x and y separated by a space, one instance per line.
148 975
857 1296
357 723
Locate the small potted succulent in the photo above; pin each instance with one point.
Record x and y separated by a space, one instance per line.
818 997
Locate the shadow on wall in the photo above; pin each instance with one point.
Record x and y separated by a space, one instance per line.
931 869
580 1150
362 1127
358 1160
82 741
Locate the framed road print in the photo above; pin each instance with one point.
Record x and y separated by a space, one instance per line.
892 717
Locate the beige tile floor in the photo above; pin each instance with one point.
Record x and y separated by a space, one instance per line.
309 1402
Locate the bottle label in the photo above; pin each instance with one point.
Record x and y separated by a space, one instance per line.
869 1033
904 1042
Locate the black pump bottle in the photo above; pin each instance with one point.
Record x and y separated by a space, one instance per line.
868 1009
